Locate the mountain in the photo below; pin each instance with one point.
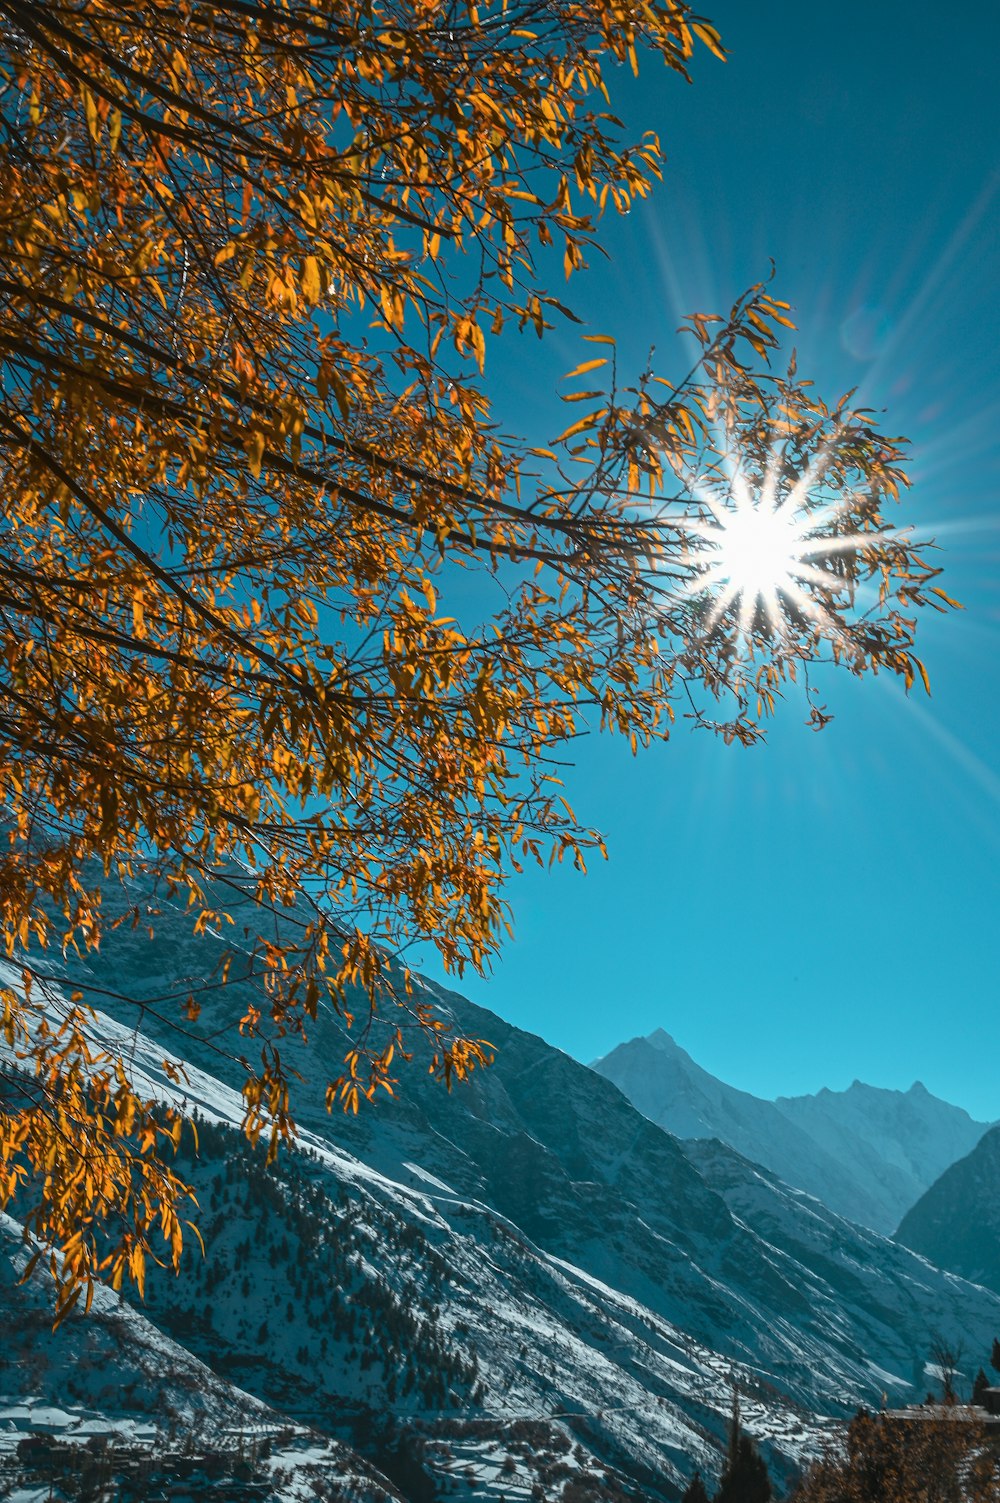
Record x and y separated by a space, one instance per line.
867 1153
956 1223
896 1142
523 1284
669 1088
422 1329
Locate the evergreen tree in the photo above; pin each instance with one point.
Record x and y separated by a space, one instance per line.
735 1428
695 1491
745 1479
995 1355
979 1388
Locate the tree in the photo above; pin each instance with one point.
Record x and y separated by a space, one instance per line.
980 1384
995 1355
695 1491
947 1358
889 1458
745 1477
253 257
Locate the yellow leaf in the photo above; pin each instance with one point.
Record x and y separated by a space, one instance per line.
581 426
588 365
957 604
90 111
711 38
255 453
312 287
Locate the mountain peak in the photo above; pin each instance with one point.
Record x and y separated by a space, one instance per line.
637 1052
917 1089
661 1039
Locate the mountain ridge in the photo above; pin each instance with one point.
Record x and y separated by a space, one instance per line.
868 1152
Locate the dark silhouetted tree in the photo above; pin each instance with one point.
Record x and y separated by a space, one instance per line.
745 1478
695 1491
947 1358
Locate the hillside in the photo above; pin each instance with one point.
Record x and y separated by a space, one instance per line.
111 1394
957 1222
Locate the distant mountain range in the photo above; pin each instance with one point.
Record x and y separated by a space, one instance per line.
867 1153
957 1222
516 1285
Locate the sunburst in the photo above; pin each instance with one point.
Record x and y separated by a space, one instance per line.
765 556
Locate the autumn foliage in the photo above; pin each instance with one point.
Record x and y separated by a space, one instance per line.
253 257
942 1454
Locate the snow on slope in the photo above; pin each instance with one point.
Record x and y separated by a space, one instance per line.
541 1144
867 1153
116 1358
310 1315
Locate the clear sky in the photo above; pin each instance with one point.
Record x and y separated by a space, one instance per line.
825 907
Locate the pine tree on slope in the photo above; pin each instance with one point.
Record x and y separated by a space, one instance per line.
695 1491
745 1479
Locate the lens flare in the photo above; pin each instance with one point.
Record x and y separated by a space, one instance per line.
765 555
757 550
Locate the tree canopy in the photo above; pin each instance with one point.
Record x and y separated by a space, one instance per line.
896 1457
254 255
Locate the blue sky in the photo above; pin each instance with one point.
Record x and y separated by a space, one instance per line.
824 907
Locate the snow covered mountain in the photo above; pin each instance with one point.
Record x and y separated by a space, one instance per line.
110 1395
867 1153
957 1222
896 1142
524 1285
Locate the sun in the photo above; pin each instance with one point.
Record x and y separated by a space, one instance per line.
757 550
760 553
